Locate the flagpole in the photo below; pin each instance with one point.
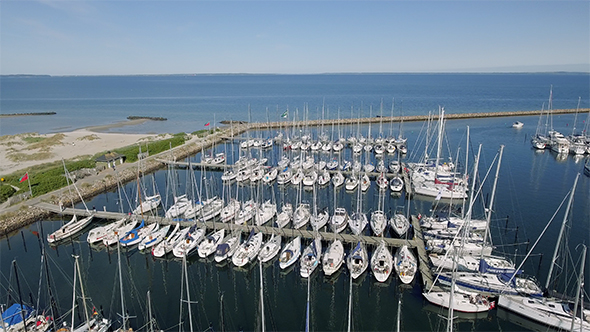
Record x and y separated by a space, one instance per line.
29 181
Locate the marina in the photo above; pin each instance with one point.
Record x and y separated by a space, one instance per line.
224 296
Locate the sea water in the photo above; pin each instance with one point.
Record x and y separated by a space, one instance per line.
191 101
531 186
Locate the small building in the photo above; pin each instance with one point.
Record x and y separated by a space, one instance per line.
109 160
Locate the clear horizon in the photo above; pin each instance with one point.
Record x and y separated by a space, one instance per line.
93 38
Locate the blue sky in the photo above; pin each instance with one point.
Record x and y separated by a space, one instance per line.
295 37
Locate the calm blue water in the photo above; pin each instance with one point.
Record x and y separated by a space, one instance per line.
530 188
191 101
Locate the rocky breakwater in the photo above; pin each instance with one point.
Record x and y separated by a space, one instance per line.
97 184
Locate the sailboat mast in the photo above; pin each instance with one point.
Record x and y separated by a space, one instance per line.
123 315
149 300
569 204
579 292
262 297
490 208
440 131
83 294
307 306
73 296
349 304
466 168
188 293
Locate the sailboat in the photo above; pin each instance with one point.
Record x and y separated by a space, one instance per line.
209 244
228 246
378 217
189 243
333 257
405 264
311 257
154 237
248 250
382 262
167 244
94 324
270 249
358 220
290 253
74 226
358 260
554 311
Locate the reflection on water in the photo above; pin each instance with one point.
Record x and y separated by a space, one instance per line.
529 186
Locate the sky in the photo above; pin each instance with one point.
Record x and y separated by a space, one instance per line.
291 37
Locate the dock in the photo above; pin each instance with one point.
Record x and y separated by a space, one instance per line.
424 266
210 225
221 167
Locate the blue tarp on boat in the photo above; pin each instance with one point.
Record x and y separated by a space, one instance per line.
13 315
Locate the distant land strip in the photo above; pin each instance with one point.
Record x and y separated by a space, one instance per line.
410 118
154 118
27 114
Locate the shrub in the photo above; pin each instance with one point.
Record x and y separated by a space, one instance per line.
6 192
154 147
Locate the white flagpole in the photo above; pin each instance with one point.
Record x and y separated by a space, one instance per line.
29 181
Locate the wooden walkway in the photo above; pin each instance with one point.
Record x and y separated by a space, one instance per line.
285 232
221 167
424 265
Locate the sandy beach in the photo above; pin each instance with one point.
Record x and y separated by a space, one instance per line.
23 151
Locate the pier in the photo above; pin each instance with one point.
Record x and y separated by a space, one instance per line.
285 232
424 266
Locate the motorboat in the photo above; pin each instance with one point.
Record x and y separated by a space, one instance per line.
517 124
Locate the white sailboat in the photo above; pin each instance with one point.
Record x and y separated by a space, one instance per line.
290 253
358 260
270 249
228 246
311 257
154 237
75 225
554 311
382 262
163 248
248 250
209 244
333 257
405 264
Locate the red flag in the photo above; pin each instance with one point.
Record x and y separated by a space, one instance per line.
207 124
24 177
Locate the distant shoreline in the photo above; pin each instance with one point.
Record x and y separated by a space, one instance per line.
26 114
